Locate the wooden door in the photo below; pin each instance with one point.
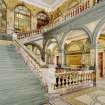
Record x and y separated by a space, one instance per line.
100 63
57 60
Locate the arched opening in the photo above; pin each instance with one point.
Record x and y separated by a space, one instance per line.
29 46
52 52
3 17
37 52
100 52
35 49
76 48
42 20
22 19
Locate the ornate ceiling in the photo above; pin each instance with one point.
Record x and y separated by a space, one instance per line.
59 6
48 4
12 3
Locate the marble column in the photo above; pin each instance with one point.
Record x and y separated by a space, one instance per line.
10 24
62 58
93 63
33 48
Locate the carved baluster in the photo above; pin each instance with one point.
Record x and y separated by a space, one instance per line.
86 6
70 79
90 76
66 80
88 3
59 82
83 77
83 8
73 79
80 8
86 77
79 78
77 11
71 14
76 78
63 81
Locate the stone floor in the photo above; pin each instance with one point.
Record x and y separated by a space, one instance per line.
55 99
90 96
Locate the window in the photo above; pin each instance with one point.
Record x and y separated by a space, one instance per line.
3 17
22 19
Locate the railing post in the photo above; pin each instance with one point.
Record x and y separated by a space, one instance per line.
51 79
14 36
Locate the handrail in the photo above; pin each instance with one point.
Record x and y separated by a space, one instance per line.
28 34
72 13
32 38
39 63
66 73
61 19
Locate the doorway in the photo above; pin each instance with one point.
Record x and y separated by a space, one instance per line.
100 64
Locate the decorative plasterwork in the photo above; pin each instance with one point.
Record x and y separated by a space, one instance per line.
48 4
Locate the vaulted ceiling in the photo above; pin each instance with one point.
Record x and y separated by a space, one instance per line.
49 4
59 6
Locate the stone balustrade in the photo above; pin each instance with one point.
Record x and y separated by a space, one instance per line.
30 59
72 13
61 19
57 82
72 80
27 34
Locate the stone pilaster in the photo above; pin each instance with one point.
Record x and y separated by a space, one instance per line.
93 64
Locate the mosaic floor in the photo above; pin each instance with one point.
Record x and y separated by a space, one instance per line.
91 96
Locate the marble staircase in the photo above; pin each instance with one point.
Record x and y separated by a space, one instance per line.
18 85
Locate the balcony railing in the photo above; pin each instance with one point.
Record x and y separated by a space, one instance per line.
61 19
72 13
72 81
28 34
57 82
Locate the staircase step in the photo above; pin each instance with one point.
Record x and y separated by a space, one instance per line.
18 85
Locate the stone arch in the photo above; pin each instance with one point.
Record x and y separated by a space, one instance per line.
52 49
75 43
83 28
35 44
47 41
98 30
20 11
38 47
